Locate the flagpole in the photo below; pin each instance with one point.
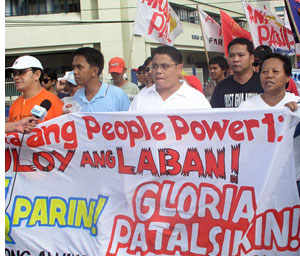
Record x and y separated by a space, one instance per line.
130 54
296 62
206 53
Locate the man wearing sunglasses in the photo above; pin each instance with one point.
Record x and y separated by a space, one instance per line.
169 91
26 72
147 72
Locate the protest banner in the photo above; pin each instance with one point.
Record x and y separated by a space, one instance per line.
210 182
231 30
212 33
268 29
158 21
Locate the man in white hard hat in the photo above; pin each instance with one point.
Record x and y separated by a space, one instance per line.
26 72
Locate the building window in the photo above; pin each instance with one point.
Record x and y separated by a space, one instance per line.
186 14
34 7
279 9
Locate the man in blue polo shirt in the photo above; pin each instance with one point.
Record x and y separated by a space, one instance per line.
96 96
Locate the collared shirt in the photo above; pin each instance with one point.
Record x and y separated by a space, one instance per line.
109 98
186 97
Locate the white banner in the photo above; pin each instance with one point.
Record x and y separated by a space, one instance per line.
268 29
212 33
209 182
158 21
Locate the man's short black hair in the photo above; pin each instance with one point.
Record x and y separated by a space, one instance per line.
221 61
171 51
140 69
51 73
147 61
263 47
93 57
243 41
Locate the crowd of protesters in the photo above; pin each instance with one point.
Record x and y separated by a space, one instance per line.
247 78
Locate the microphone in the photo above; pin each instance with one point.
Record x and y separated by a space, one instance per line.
40 111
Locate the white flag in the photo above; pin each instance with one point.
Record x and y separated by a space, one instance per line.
158 21
212 33
268 29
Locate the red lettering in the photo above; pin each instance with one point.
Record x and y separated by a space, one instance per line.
252 123
235 157
162 165
35 140
134 131
118 125
269 121
211 164
99 160
171 160
14 141
64 161
235 161
192 163
125 169
155 129
146 162
106 127
198 136
68 133
216 128
233 130
263 34
145 128
154 19
91 125
46 156
86 159
7 159
179 130
53 128
110 159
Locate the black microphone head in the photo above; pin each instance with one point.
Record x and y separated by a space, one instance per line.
46 104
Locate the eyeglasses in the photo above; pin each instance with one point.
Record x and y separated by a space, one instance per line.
146 70
20 72
164 66
46 80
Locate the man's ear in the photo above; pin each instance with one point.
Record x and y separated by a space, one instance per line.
180 67
124 70
252 58
37 74
95 71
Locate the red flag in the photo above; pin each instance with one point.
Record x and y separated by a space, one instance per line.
231 30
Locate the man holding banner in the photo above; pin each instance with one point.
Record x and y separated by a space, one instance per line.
168 91
96 96
244 83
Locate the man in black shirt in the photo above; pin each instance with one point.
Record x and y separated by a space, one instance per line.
244 83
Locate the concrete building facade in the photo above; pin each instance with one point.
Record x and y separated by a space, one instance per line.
52 29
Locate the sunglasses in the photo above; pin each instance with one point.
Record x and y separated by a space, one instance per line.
146 70
46 80
20 72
